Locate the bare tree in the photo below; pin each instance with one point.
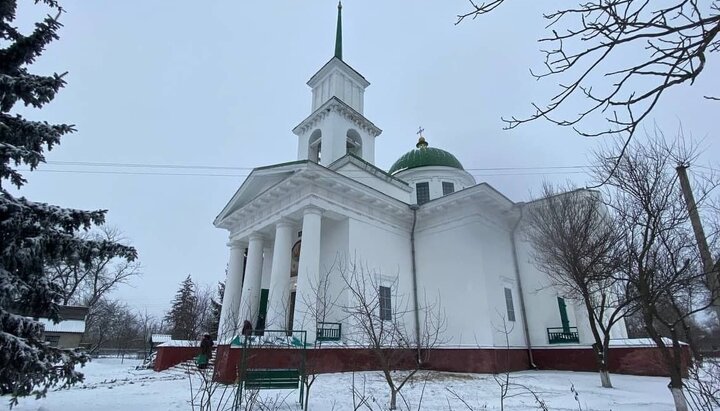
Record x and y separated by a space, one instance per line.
616 58
575 244
318 307
86 283
377 322
661 267
111 323
203 309
149 324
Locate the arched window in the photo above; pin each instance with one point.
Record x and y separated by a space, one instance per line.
314 146
354 143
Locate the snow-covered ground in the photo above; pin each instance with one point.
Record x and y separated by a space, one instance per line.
112 386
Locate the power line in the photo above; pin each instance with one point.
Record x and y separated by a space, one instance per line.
150 173
137 173
208 167
144 165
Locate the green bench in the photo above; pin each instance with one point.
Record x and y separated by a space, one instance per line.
287 378
277 379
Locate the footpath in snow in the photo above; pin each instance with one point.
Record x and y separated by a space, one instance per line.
112 386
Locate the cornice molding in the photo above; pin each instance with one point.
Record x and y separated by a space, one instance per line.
338 199
337 106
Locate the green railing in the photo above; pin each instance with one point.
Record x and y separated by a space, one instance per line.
329 332
560 335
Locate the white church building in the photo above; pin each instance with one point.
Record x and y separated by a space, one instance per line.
425 228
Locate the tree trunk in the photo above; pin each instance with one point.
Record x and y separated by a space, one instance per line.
679 399
307 394
603 366
605 379
393 399
600 348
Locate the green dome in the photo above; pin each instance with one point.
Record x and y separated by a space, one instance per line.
424 156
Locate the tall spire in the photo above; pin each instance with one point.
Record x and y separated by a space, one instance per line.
338 34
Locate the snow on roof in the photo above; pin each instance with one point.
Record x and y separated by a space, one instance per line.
639 342
160 338
180 343
65 326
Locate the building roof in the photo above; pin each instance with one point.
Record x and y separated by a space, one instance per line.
72 312
423 156
66 326
160 338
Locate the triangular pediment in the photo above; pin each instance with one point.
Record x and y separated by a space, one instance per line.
260 180
337 64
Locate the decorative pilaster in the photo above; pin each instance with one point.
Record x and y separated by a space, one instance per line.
250 301
230 310
280 276
308 273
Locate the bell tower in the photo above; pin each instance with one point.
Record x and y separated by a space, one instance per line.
336 125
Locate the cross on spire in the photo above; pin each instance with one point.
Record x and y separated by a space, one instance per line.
421 140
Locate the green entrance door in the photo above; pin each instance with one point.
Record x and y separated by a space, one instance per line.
262 314
563 315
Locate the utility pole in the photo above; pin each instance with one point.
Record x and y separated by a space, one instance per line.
709 267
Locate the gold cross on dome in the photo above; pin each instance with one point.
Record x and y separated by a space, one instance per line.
420 131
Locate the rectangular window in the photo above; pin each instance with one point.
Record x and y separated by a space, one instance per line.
509 305
423 192
448 188
385 304
53 340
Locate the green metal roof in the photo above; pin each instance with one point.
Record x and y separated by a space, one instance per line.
424 156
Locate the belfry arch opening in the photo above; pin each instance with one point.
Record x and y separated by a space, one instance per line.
315 146
353 143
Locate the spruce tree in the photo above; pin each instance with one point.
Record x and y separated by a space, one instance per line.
34 235
216 310
182 315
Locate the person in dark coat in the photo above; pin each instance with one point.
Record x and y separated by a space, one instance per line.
247 328
206 346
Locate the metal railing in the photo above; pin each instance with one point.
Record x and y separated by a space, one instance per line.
328 331
560 335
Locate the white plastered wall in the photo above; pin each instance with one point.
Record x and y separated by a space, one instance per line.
450 264
385 252
333 252
541 301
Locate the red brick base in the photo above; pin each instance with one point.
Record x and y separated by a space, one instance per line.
170 356
625 360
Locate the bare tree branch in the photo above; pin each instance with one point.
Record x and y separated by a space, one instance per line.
616 58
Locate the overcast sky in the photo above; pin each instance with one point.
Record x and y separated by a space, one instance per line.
222 84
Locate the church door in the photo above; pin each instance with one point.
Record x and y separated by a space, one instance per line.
262 315
563 315
291 314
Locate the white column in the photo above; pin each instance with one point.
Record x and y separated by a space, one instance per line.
308 273
250 300
278 303
230 310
